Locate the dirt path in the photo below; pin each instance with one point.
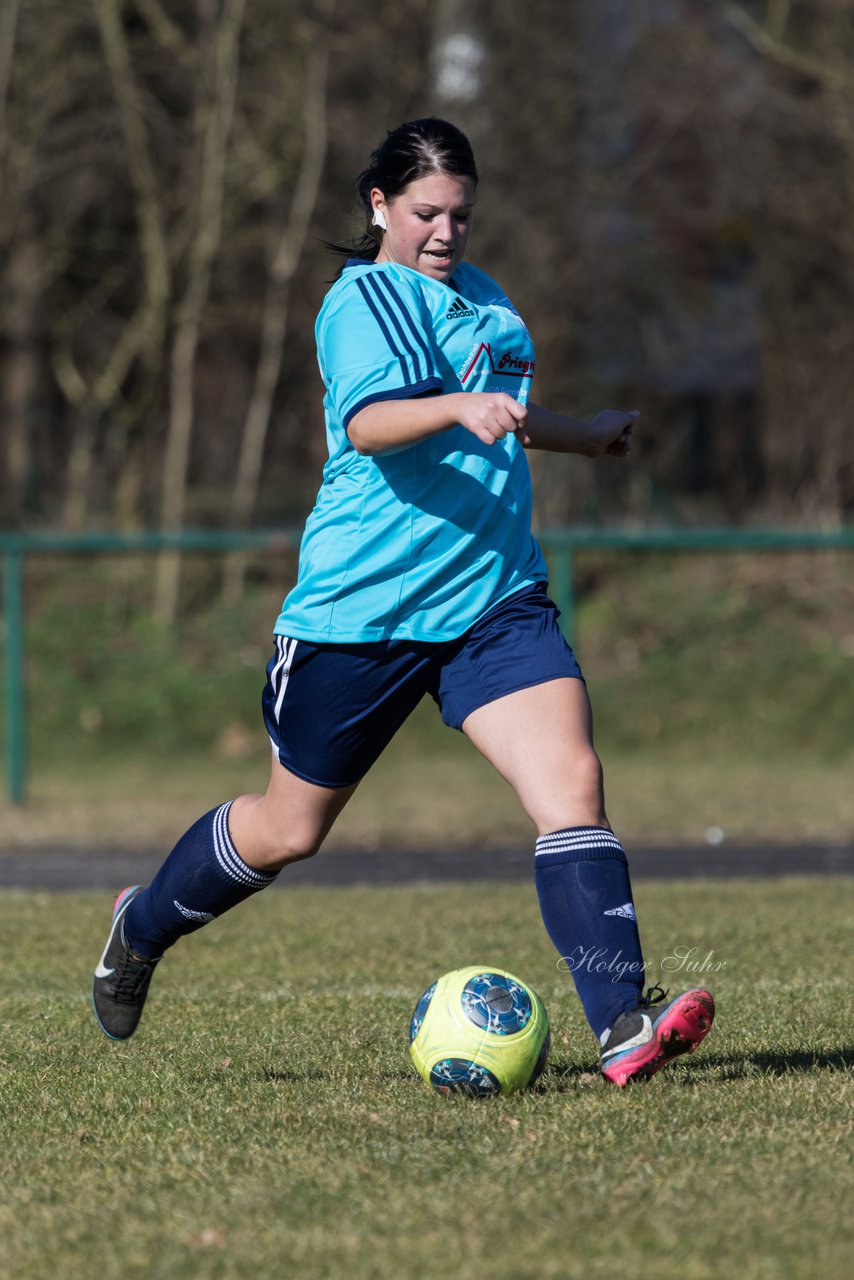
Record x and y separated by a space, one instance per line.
78 868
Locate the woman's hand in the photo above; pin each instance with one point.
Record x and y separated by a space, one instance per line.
611 433
492 415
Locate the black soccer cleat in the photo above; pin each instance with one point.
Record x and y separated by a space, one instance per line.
121 978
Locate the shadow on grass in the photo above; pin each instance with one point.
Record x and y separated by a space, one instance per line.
293 1077
562 1077
777 1064
277 1076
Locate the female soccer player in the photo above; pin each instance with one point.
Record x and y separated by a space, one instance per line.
419 574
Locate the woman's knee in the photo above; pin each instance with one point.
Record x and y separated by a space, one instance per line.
268 835
588 777
572 795
292 843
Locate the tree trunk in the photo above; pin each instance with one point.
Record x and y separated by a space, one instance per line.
20 370
78 474
275 320
218 76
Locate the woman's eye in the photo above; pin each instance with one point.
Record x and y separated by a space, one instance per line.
428 217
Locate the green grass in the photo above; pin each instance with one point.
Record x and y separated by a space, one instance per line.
748 654
721 688
266 1119
432 789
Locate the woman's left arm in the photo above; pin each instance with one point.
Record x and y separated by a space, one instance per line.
609 433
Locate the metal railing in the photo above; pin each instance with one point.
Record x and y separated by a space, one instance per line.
560 547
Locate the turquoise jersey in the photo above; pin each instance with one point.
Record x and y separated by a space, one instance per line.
418 542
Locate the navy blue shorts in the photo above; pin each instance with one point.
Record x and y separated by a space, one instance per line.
332 709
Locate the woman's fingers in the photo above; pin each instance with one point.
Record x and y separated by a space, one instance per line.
494 416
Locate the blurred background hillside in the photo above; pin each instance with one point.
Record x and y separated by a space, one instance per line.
666 193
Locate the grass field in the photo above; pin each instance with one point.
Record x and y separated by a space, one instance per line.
266 1120
721 689
431 789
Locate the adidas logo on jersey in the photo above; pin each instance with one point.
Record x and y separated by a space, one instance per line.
459 311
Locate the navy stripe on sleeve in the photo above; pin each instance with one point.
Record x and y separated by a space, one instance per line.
382 280
427 387
393 321
395 349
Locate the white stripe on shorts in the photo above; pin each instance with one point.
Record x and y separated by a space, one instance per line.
280 661
283 669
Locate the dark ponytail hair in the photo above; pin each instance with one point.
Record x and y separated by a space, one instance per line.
410 151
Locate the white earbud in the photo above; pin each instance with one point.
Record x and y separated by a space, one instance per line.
379 220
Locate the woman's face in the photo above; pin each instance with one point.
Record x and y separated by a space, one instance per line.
428 224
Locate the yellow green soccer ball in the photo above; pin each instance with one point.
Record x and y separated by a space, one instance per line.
479 1031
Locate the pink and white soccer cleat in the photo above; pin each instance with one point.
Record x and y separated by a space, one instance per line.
639 1043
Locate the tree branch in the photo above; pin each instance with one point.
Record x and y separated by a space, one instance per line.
217 79
276 303
167 33
777 17
8 27
148 323
765 40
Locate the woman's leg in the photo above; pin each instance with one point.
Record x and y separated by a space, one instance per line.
231 853
540 740
330 710
286 824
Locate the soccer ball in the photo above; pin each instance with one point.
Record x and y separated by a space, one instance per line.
479 1031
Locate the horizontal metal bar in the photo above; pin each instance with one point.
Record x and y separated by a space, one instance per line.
151 540
575 538
699 539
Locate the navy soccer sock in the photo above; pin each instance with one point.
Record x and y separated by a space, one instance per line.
582 879
203 877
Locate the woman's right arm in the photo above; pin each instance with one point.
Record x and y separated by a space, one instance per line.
391 424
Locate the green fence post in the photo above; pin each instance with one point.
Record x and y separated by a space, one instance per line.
13 612
562 588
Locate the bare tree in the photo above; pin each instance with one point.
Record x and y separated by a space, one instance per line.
666 189
216 84
19 372
807 268
8 33
282 270
98 387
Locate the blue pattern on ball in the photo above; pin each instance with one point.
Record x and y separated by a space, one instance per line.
420 1011
457 1075
497 1004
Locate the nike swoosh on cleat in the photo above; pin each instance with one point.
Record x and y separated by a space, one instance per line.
101 971
643 1037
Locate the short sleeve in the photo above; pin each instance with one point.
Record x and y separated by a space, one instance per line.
374 343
